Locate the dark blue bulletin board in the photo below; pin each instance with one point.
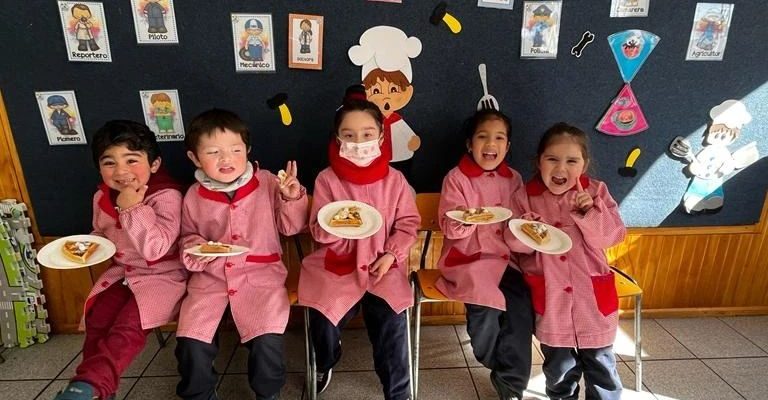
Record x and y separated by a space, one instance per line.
675 95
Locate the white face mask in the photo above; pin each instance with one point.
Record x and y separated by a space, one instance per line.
361 154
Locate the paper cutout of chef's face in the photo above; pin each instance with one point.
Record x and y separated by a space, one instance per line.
721 135
390 91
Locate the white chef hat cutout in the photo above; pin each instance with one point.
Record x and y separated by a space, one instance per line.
731 113
387 48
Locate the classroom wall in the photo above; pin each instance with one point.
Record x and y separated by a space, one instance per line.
676 95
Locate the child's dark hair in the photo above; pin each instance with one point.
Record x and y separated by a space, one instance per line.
209 122
563 129
471 124
133 135
356 100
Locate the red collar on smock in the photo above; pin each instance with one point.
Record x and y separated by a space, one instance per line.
470 168
241 192
535 187
348 171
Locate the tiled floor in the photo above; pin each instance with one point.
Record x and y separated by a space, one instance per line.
701 358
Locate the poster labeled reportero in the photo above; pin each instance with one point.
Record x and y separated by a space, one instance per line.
162 114
629 8
85 31
155 22
252 39
541 26
709 32
61 118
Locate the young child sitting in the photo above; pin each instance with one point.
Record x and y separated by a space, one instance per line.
346 275
138 208
476 264
235 203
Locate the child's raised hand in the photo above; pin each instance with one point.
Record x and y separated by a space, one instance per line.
290 187
381 266
582 201
130 196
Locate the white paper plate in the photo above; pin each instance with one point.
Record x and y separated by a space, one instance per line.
559 241
372 220
499 214
51 255
236 250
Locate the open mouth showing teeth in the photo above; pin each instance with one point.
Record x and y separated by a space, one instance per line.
489 155
559 180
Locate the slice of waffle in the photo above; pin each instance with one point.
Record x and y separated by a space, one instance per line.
78 252
215 247
478 214
536 231
282 175
347 217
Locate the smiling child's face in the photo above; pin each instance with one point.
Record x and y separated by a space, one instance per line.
561 164
121 167
489 144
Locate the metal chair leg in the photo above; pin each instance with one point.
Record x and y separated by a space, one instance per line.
416 339
638 344
410 355
310 380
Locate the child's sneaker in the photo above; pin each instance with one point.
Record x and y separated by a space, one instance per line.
77 391
323 380
504 393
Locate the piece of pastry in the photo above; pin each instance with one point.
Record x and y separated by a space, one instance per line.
79 251
479 214
282 175
536 231
347 217
215 247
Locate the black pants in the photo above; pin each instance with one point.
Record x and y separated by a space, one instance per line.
563 367
387 332
501 340
266 367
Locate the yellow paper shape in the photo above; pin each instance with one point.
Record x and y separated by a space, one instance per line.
453 24
285 114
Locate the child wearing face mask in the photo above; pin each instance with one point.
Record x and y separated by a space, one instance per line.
344 275
476 264
574 294
236 203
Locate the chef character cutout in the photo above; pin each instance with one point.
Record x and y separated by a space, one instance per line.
384 54
715 161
